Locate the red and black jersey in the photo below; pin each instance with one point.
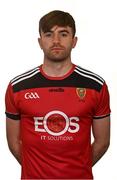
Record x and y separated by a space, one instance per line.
56 115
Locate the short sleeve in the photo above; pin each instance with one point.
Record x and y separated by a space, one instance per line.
10 105
103 103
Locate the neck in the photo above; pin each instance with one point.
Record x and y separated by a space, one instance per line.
56 69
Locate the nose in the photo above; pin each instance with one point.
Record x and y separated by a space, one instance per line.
56 39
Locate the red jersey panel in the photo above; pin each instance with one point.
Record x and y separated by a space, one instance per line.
56 115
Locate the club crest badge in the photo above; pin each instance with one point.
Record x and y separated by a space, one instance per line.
81 93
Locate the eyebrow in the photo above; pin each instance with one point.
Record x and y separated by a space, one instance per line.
61 31
64 31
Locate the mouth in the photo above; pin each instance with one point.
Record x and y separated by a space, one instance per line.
57 49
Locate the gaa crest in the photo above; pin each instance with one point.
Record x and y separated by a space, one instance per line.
81 92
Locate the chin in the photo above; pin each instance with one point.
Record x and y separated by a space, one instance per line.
58 59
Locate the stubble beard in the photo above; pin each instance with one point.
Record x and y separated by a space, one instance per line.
57 57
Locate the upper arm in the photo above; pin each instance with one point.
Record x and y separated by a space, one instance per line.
12 116
101 130
12 131
101 119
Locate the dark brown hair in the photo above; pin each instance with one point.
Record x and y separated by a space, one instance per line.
59 18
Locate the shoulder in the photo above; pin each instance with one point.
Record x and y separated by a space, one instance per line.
89 74
89 78
22 80
25 75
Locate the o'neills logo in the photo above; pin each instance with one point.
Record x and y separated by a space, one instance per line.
56 123
81 92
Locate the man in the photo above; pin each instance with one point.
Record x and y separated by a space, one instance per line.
51 109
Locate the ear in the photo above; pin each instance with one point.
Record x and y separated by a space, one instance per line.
75 39
40 43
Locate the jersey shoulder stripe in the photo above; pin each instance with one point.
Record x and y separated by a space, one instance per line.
25 75
89 74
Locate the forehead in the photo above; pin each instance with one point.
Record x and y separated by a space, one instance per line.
59 28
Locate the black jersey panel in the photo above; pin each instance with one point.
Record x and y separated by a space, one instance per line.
74 80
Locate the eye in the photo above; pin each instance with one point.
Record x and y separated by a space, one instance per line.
48 34
64 34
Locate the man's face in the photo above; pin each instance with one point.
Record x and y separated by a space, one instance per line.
57 43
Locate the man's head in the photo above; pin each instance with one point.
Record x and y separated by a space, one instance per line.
59 18
57 36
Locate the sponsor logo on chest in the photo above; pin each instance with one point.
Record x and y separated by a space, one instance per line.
56 123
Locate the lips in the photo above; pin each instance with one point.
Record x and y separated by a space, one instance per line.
57 49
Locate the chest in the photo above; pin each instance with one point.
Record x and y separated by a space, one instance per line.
71 101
